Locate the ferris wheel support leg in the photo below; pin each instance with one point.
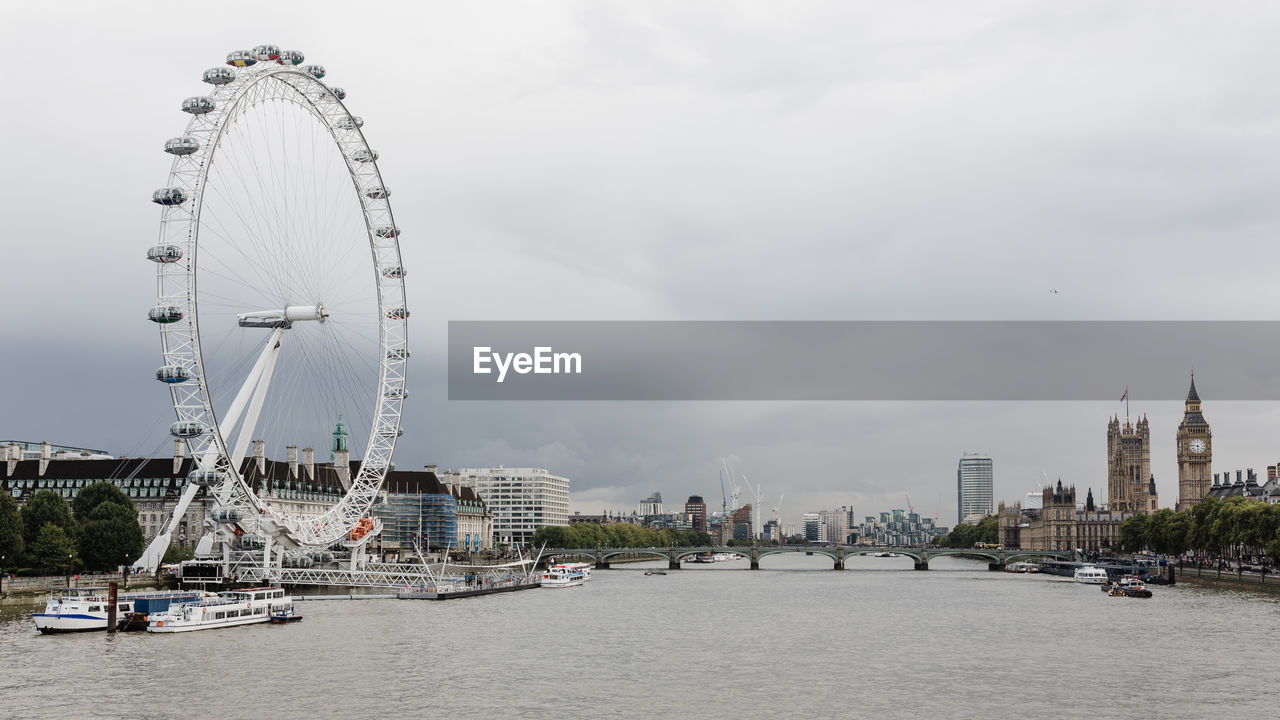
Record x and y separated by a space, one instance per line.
259 378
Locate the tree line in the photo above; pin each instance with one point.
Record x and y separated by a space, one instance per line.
616 535
966 536
1232 529
98 530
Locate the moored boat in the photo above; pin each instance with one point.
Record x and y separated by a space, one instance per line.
559 576
1022 566
228 609
83 609
1091 575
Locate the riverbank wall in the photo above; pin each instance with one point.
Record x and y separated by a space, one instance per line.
1208 577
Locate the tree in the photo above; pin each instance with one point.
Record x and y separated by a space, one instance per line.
1133 533
110 536
52 552
11 531
175 554
100 492
45 506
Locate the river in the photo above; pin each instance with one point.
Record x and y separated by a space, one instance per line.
794 639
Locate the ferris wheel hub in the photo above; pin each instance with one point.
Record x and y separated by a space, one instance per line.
282 318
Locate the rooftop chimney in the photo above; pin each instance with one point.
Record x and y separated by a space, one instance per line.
46 452
179 453
12 454
431 468
259 454
309 463
291 454
342 467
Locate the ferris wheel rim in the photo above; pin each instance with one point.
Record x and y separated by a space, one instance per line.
181 340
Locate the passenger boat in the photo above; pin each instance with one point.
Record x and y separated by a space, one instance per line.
1091 575
705 559
81 609
1022 566
885 554
559 576
585 568
228 609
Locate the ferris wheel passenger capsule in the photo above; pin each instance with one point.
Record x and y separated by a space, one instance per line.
315 71
338 93
164 253
165 314
350 123
241 58
267 52
219 75
181 145
400 353
398 313
205 478
395 271
186 429
169 196
364 156
395 393
386 231
378 192
228 515
173 374
291 57
198 105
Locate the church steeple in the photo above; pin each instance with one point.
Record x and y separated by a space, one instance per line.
1192 395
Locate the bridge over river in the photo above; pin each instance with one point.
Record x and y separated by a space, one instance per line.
996 558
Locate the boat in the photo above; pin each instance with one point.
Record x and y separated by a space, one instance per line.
451 587
704 559
285 617
228 609
82 609
655 572
1022 566
1091 575
585 568
886 554
559 576
1128 586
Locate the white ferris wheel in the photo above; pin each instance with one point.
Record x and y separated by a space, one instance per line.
281 301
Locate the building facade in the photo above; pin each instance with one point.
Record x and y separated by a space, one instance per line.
521 499
1195 452
974 486
1130 485
1058 524
651 505
697 508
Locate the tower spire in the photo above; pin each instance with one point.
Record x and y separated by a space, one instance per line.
1192 395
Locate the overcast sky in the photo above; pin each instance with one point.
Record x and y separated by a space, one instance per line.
674 160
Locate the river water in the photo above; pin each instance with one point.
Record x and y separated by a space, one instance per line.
794 639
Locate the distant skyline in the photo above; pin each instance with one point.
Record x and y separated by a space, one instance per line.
671 161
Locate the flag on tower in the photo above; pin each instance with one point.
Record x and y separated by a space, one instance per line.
1125 396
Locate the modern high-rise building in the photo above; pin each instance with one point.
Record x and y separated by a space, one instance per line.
974 481
521 499
651 505
697 508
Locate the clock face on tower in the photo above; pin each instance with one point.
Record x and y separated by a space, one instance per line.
1197 446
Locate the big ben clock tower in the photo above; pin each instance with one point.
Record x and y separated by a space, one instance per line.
1195 452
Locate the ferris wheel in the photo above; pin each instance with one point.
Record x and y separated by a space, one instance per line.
281 302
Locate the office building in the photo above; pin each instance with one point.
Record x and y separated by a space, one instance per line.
974 481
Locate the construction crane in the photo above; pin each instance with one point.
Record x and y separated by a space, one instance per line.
910 509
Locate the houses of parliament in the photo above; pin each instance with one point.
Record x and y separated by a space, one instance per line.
1131 488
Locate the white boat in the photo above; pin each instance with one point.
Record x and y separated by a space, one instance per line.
1091 575
81 609
1022 566
559 576
584 567
228 609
